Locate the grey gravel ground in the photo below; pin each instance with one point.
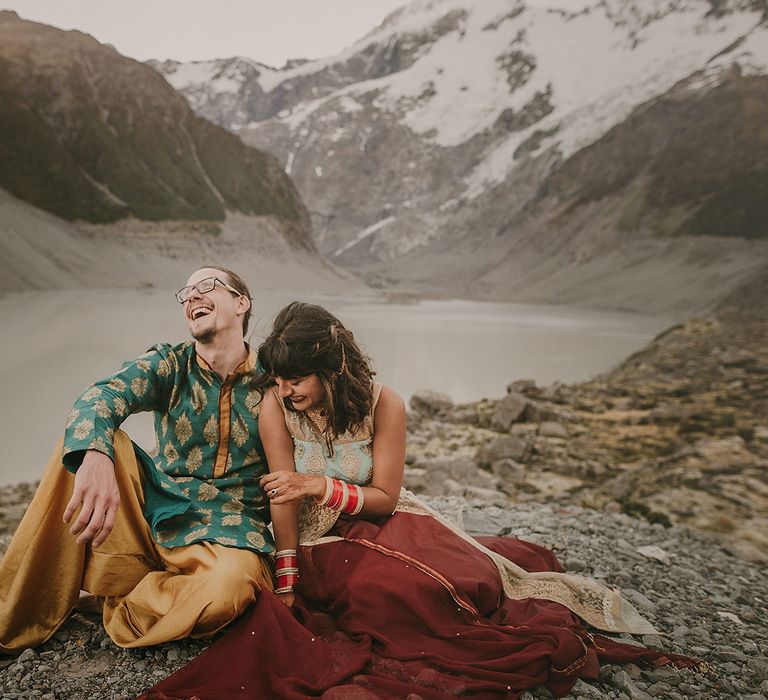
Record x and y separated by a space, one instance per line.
705 601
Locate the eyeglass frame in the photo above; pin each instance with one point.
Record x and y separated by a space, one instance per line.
195 287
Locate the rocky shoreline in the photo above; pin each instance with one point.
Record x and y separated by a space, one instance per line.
650 478
678 434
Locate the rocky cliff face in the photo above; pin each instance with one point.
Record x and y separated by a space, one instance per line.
92 136
445 151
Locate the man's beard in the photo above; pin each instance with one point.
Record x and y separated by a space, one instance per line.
204 335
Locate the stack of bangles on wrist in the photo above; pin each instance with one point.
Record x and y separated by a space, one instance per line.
341 496
287 570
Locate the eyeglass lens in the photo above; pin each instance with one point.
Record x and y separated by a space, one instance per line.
202 287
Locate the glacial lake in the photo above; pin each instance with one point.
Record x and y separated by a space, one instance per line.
53 344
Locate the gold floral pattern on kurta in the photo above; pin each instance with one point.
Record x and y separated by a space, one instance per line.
203 482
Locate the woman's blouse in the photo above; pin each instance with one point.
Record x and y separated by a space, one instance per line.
352 458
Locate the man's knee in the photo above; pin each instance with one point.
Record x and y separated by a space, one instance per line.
236 576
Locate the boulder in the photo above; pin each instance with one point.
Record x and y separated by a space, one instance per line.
737 358
448 477
515 447
552 429
462 414
509 410
488 496
430 403
541 411
521 386
511 474
509 469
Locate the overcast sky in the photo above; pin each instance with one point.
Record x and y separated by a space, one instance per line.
269 31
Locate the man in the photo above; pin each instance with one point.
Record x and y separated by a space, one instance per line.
176 546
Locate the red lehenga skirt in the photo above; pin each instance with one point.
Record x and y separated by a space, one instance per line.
407 607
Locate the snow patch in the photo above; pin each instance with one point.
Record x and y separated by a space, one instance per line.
364 234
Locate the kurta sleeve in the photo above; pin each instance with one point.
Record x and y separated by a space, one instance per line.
143 384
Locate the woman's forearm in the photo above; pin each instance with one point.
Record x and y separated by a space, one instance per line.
285 522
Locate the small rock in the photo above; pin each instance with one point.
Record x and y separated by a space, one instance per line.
730 667
638 599
659 689
653 641
758 668
26 655
575 564
729 654
654 552
730 616
582 689
623 682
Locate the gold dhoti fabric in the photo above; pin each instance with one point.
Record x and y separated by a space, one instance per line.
152 594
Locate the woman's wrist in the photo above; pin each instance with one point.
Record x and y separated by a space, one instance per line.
317 487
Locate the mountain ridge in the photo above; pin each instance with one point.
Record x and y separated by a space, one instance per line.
466 112
90 135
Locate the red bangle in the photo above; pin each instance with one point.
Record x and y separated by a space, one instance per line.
287 570
339 495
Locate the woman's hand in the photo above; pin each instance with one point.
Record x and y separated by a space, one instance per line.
289 487
287 598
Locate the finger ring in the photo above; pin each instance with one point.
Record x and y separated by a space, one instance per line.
273 492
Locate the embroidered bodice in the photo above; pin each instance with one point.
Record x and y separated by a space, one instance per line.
352 459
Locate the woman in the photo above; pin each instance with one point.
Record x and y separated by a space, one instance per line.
388 599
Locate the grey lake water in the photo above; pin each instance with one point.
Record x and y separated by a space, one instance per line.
53 344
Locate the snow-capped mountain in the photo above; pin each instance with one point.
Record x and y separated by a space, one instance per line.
430 152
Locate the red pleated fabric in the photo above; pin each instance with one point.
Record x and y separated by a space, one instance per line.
402 608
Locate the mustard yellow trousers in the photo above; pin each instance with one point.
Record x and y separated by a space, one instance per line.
152 594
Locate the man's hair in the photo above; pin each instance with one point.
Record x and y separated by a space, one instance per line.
234 280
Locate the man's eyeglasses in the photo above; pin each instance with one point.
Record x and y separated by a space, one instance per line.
202 287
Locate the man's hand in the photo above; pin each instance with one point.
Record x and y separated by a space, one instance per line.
97 496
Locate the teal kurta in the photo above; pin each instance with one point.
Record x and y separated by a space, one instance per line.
203 483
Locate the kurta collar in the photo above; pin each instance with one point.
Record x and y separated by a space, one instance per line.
248 364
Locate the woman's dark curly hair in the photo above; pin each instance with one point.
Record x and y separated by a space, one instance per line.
308 339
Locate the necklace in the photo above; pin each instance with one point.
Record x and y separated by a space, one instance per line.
318 419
